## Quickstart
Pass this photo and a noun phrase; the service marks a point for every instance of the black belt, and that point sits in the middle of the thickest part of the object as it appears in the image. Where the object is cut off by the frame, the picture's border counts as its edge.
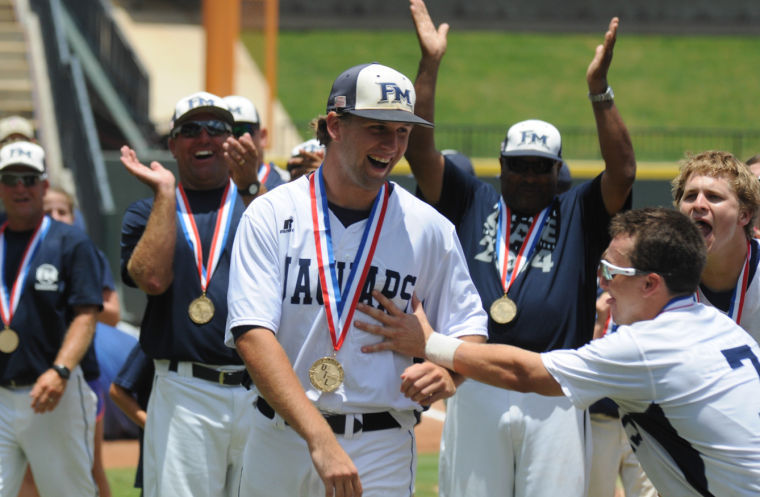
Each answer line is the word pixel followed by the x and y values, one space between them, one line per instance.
pixel 21 383
pixel 371 421
pixel 209 374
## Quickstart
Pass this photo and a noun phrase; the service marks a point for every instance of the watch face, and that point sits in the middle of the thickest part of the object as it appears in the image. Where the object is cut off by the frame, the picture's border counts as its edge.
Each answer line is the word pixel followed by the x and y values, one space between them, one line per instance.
pixel 253 189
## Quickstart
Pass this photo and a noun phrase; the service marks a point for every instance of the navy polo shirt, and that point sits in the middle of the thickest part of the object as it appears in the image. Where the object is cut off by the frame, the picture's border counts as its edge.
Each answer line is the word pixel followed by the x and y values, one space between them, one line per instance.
pixel 61 276
pixel 555 294
pixel 167 331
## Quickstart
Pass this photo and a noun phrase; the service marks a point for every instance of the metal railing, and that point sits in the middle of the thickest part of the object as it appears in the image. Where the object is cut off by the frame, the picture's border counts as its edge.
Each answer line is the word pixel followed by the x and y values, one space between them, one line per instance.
pixel 80 148
pixel 120 63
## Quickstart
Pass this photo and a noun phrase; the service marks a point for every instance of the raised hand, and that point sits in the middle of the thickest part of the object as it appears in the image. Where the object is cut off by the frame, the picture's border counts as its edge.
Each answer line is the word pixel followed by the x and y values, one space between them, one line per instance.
pixel 596 75
pixel 157 177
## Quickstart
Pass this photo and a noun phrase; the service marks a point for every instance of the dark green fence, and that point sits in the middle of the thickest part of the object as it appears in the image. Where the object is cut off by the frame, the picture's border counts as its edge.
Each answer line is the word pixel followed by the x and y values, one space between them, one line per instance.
pixel 580 143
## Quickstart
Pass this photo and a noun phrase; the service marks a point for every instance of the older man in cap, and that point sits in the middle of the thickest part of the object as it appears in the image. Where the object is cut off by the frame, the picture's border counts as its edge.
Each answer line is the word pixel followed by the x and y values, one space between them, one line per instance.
pixel 175 248
pixel 50 295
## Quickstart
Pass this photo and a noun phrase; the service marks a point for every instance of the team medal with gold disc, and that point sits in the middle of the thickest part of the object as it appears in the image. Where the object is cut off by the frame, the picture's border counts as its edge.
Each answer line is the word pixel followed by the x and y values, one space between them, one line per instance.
pixel 503 310
pixel 9 339
pixel 201 310
pixel 326 374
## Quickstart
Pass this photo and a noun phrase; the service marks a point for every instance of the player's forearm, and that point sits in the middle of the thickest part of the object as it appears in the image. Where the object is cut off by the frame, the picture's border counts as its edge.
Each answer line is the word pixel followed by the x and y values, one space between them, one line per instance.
pixel 273 375
pixel 151 263
pixel 78 337
pixel 127 404
pixel 502 366
pixel 617 151
pixel 111 313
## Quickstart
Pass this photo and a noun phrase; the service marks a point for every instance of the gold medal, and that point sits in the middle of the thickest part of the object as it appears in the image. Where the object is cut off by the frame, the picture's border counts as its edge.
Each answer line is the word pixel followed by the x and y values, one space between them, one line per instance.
pixel 503 310
pixel 8 341
pixel 326 374
pixel 201 310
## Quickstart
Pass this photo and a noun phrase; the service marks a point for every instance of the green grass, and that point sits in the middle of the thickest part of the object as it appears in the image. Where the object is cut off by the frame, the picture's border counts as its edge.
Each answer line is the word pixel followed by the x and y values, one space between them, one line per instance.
pixel 121 480
pixel 427 476
pixel 427 479
pixel 495 78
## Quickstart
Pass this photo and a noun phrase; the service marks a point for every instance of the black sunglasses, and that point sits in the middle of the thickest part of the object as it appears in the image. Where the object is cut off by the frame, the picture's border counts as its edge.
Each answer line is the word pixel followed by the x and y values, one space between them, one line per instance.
pixel 191 129
pixel 537 165
pixel 239 129
pixel 13 179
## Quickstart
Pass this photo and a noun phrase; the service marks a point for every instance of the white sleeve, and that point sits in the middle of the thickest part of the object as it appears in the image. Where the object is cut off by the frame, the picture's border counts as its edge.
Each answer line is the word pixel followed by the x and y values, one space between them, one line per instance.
pixel 450 299
pixel 253 295
pixel 612 367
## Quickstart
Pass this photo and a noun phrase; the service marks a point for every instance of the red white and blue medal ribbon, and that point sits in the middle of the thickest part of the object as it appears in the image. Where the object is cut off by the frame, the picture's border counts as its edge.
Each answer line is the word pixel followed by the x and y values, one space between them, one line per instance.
pixel 340 306
pixel 9 300
pixel 740 291
pixel 263 173
pixel 221 231
pixel 529 244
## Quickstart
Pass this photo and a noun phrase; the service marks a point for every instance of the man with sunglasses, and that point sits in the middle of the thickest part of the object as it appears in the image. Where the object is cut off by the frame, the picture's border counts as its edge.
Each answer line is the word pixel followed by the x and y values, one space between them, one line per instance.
pixel 248 142
pixel 51 294
pixel 175 248
pixel 532 253
pixel 685 376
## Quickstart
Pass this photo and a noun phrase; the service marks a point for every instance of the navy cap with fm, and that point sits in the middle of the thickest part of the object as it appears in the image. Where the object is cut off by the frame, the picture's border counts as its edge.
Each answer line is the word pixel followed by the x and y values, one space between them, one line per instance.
pixel 375 91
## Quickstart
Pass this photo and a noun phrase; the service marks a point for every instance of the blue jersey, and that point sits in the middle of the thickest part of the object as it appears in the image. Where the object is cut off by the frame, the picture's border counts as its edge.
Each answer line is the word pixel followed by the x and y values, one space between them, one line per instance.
pixel 167 331
pixel 555 294
pixel 273 176
pixel 61 276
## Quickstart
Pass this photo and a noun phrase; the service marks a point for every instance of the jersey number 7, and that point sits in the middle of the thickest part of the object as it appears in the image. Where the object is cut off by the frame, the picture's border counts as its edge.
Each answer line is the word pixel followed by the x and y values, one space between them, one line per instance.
pixel 736 355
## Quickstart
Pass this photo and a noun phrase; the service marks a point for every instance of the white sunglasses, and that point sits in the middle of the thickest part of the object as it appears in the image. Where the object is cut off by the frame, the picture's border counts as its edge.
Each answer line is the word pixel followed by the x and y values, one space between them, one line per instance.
pixel 609 270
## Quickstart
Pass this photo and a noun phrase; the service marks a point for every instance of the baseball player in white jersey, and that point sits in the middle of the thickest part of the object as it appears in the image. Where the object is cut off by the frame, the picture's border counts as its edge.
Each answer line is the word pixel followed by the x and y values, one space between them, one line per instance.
pixel 331 419
pixel 686 378
pixel 722 196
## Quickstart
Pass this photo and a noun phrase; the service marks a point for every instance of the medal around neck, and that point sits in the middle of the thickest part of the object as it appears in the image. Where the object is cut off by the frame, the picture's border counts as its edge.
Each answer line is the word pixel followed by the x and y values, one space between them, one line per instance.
pixel 326 374
pixel 201 310
pixel 503 310
pixel 8 341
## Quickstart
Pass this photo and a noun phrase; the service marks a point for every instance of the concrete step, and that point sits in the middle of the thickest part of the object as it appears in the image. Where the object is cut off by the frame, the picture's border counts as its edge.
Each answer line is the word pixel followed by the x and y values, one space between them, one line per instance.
pixel 15 84
pixel 11 31
pixel 20 106
pixel 16 68
pixel 7 14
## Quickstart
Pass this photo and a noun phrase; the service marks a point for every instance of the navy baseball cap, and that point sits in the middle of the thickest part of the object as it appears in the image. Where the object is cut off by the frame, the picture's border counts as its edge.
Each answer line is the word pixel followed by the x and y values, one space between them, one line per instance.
pixel 375 91
pixel 532 138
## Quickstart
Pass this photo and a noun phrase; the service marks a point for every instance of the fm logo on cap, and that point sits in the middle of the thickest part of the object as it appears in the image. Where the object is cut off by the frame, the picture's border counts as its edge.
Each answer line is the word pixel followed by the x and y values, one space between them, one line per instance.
pixel 531 138
pixel 387 89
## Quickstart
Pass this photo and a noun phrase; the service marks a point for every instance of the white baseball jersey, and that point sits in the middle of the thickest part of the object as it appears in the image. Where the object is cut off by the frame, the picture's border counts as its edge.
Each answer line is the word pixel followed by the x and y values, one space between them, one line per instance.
pixel 274 284
pixel 688 386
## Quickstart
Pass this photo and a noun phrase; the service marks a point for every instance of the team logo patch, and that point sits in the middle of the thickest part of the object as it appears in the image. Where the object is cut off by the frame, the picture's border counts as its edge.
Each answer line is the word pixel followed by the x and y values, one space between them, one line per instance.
pixel 393 93
pixel 287 226
pixel 46 278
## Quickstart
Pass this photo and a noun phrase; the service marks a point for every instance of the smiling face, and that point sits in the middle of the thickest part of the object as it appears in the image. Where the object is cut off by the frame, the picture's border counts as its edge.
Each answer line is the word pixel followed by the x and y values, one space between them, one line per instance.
pixel 713 205
pixel 23 204
pixel 200 159
pixel 625 296
pixel 365 151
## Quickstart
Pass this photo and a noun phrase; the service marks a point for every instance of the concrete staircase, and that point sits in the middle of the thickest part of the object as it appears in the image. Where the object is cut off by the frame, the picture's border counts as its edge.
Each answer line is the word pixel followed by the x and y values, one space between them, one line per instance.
pixel 15 77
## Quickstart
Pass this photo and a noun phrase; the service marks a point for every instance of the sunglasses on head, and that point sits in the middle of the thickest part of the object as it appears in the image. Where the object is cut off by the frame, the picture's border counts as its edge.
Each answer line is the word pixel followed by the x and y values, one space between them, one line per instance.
pixel 537 165
pixel 13 179
pixel 239 129
pixel 191 129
